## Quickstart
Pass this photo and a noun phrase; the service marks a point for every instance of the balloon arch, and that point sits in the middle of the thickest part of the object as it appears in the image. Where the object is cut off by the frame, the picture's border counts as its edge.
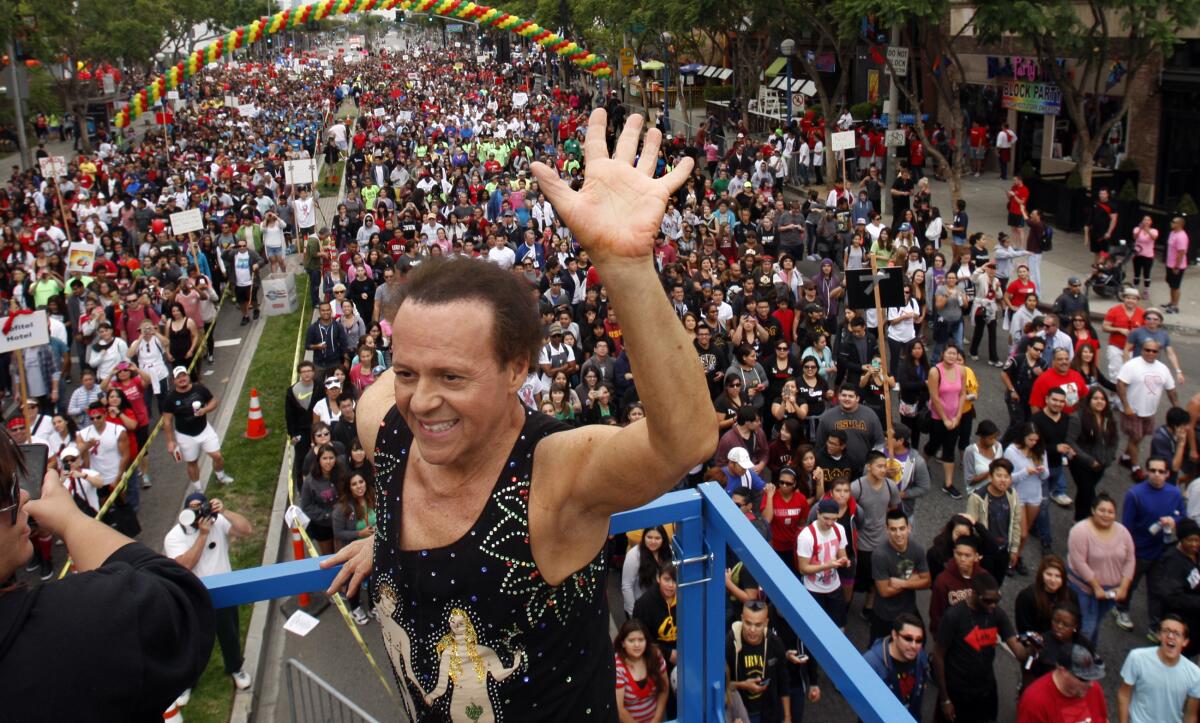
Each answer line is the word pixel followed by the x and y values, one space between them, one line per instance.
pixel 296 17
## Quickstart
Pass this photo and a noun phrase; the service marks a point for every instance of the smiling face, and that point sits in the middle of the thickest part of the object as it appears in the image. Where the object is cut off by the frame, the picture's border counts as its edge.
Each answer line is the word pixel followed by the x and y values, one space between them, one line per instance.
pixel 449 394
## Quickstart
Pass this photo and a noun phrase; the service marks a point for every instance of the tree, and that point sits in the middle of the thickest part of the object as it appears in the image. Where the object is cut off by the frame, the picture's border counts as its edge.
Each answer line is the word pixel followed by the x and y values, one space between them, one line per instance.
pixel 932 17
pixel 73 35
pixel 1107 44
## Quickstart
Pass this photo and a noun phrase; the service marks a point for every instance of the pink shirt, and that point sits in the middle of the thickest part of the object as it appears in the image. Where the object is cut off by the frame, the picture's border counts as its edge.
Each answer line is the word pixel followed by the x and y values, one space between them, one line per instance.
pixel 1177 247
pixel 1143 241
pixel 949 387
pixel 1107 561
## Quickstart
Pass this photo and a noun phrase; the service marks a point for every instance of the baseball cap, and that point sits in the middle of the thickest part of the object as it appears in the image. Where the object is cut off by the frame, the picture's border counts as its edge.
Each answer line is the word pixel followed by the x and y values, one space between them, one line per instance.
pixel 71 452
pixel 748 184
pixel 332 382
pixel 556 329
pixel 1074 281
pixel 1130 291
pixel 1081 662
pixel 860 222
pixel 906 227
pixel 178 370
pixel 827 507
pixel 195 497
pixel 740 457
pixel 1186 528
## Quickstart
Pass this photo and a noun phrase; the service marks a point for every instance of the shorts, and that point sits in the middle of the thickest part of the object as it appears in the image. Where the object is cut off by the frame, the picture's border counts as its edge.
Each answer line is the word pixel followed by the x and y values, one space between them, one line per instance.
pixel 863 579
pixel 190 447
pixel 273 251
pixel 941 442
pixel 1136 427
pixel 1096 245
pixel 1174 278
pixel 1029 490
pixel 242 293
pixel 978 153
pixel 1016 220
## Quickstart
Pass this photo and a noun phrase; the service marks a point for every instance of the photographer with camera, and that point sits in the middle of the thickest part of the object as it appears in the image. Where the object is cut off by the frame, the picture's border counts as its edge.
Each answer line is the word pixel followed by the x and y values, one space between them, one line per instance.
pixel 140 627
pixel 200 542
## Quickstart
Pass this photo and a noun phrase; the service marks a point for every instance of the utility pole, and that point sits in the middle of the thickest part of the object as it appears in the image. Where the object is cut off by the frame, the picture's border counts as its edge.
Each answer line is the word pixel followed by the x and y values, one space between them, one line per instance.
pixel 893 111
pixel 14 92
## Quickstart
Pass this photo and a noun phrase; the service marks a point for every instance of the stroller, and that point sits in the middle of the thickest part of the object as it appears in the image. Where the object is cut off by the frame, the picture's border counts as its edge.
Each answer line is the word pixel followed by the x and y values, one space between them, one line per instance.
pixel 1108 275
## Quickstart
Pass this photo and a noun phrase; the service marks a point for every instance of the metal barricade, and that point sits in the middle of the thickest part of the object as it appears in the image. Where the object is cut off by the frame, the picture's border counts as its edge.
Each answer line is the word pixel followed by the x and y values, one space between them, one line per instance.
pixel 312 700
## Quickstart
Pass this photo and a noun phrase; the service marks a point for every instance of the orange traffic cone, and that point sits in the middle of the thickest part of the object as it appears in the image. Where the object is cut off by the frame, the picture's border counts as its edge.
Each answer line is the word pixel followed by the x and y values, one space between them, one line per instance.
pixel 256 428
pixel 172 715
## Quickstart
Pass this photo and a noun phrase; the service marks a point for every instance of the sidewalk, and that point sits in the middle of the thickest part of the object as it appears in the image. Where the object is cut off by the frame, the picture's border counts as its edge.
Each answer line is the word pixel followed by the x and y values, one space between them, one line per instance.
pixel 987 208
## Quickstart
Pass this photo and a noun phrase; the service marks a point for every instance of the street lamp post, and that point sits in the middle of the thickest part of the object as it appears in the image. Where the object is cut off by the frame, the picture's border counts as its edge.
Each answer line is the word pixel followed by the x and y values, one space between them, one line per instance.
pixel 667 38
pixel 788 48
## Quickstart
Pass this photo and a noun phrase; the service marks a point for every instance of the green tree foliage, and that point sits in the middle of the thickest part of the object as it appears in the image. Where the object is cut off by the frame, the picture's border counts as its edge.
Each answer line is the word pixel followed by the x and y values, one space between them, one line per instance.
pixel 1095 38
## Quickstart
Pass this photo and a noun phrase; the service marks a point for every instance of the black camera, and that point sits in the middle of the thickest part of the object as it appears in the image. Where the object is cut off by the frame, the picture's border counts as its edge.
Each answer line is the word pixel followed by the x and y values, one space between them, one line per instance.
pixel 191 518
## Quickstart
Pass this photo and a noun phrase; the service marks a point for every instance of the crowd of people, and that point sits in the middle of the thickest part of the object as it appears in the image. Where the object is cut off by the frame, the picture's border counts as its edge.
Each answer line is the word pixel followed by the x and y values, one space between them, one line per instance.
pixel 438 159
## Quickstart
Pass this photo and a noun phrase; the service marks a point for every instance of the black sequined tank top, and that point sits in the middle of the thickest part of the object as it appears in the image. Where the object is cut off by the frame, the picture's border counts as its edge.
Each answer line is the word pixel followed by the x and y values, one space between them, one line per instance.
pixel 473 632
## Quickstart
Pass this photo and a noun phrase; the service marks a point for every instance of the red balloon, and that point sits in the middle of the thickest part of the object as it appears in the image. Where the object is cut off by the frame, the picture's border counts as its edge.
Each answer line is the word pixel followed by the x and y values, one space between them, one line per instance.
pixel 158 225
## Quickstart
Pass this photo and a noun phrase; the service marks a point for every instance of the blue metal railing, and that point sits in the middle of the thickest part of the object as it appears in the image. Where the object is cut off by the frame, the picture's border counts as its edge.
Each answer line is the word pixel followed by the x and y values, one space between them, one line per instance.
pixel 707 522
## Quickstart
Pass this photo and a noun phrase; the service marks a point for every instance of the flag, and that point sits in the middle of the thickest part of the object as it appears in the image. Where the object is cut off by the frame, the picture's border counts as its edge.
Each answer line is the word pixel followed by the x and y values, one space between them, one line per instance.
pixel 939 64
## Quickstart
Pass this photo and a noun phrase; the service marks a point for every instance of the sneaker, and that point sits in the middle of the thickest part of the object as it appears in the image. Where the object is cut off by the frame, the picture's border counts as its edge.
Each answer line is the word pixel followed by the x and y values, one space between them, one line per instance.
pixel 224 478
pixel 375 613
pixel 1171 309
pixel 146 483
pixel 1125 461
pixel 47 570
pixel 245 320
pixel 360 617
pixel 183 698
pixel 1020 568
pixel 953 492
pixel 1122 619
pixel 1061 500
pixel 974 357
pixel 1145 294
pixel 1152 637
pixel 209 359
pixel 256 312
pixel 241 679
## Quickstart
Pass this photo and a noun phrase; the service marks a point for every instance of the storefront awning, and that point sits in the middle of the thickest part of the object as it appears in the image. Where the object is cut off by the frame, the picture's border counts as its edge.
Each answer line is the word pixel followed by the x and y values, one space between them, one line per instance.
pixel 799 85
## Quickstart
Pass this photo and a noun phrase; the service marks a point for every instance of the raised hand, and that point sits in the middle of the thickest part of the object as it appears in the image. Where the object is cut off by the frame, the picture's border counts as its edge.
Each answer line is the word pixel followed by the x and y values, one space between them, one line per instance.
pixel 620 207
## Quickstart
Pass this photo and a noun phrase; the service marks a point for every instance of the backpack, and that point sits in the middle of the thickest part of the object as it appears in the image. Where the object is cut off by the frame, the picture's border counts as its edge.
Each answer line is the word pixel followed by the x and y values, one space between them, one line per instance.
pixel 1047 238
pixel 837 531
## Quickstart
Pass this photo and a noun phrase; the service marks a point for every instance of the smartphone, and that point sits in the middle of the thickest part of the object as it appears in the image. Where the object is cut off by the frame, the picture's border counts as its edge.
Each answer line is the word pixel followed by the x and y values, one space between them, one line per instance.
pixel 34 458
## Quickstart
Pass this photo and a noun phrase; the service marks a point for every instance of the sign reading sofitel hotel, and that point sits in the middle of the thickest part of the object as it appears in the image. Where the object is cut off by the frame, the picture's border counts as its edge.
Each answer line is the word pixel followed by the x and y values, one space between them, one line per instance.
pixel 1026 97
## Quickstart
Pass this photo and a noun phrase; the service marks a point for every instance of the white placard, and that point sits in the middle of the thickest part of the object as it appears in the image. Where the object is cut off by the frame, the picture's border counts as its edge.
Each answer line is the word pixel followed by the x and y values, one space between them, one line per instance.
pixel 231 101
pixel 53 166
pixel 27 330
pixel 894 138
pixel 172 95
pixel 519 99
pixel 405 115
pixel 110 83
pixel 295 517
pixel 81 257
pixel 899 60
pixel 379 112
pixel 187 221
pixel 842 141
pixel 483 59
pixel 300 623
pixel 248 110
pixel 300 171
pixel 328 72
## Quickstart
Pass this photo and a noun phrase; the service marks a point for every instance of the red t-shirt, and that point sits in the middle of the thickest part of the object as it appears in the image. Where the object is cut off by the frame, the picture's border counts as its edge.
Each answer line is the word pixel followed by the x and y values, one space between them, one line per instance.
pixel 790 517
pixel 1019 290
pixel 1072 383
pixel 1042 702
pixel 1022 194
pixel 1118 317
pixel 979 137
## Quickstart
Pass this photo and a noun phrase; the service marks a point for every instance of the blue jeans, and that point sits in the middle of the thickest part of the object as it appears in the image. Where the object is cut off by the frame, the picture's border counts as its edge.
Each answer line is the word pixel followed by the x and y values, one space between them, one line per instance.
pixel 314 286
pixel 1093 611
pixel 1041 524
pixel 955 335
pixel 1057 482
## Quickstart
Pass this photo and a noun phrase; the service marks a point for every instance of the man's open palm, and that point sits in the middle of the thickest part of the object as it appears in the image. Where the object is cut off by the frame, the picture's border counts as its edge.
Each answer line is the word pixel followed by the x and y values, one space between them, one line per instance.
pixel 620 207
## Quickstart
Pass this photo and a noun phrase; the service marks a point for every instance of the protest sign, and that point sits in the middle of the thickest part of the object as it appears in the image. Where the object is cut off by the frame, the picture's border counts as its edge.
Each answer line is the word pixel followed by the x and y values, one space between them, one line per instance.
pixel 53 166
pixel 187 221
pixel 842 141
pixel 81 257
pixel 26 330
pixel 519 99
pixel 300 171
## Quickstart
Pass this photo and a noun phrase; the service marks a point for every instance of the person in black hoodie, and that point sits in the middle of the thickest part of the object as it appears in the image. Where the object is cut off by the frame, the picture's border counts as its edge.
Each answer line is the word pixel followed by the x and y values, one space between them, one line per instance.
pixel 1173 579
pixel 298 412
pixel 140 627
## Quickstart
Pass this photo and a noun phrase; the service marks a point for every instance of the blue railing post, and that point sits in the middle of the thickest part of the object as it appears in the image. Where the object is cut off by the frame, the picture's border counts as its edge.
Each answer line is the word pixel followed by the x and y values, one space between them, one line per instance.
pixel 693 574
pixel 714 630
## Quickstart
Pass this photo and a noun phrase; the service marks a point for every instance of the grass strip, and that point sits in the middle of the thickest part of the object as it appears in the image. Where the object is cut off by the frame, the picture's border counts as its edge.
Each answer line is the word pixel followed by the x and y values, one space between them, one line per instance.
pixel 331 179
pixel 255 466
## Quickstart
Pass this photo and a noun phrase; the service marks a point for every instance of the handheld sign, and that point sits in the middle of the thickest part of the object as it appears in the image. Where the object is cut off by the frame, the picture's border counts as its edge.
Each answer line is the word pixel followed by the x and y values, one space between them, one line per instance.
pixel 842 140
pixel 300 172
pixel 26 330
pixel 894 138
pixel 860 285
pixel 81 257
pixel 187 221
pixel 53 166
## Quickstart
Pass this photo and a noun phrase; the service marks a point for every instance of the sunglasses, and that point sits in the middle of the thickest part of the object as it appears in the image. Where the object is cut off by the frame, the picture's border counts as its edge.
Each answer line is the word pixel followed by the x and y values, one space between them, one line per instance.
pixel 1149 350
pixel 736 384
pixel 916 640
pixel 1159 471
pixel 786 484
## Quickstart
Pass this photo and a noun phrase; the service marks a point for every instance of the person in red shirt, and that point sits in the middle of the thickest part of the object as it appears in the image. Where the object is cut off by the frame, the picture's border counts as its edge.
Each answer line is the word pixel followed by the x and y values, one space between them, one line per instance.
pixel 978 141
pixel 786 511
pixel 1019 288
pixel 1018 198
pixel 1070 694
pixel 1060 375
pixel 1118 322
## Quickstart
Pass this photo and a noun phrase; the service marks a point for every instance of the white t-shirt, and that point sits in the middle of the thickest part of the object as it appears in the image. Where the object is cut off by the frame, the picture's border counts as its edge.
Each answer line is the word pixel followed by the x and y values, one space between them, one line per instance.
pixel 215 558
pixel 305 213
pixel 1146 384
pixel 1005 138
pixel 826 546
pixel 104 451
pixel 1160 691
pixel 241 269
pixel 502 256
pixel 273 235
pixel 902 331
pixel 83 488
